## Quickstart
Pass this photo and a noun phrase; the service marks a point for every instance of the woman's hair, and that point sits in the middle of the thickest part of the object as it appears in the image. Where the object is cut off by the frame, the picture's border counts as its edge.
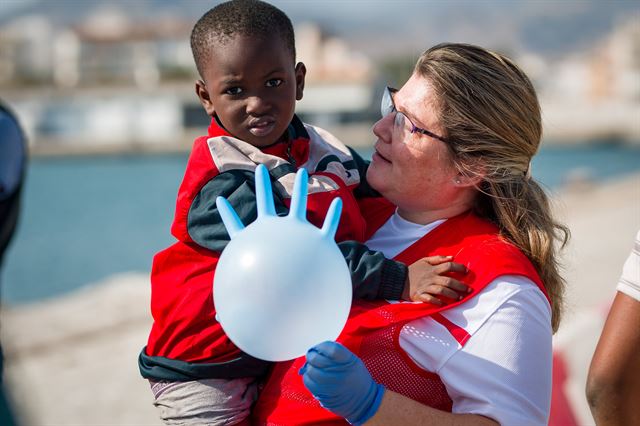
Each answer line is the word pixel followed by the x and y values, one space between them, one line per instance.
pixel 491 117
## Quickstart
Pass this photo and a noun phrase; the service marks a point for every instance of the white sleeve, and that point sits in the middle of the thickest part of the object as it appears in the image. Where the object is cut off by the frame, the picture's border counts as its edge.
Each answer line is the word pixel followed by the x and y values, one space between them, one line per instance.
pixel 629 283
pixel 504 369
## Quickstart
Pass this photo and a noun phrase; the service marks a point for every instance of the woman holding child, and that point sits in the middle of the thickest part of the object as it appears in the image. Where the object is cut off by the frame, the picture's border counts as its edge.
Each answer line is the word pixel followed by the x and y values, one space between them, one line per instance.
pixel 453 157
pixel 250 81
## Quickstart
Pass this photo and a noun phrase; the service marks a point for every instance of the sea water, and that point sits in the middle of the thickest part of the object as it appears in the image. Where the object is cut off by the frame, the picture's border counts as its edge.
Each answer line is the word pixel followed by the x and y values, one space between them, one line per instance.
pixel 84 219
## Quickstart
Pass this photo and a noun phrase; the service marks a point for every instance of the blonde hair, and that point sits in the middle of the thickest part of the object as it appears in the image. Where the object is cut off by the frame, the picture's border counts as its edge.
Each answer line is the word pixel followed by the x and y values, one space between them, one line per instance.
pixel 491 116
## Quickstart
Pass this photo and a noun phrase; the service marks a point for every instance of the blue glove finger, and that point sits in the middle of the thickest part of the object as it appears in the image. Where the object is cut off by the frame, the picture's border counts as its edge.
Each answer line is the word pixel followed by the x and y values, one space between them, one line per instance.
pixel 307 380
pixel 322 376
pixel 320 360
pixel 333 350
pixel 325 378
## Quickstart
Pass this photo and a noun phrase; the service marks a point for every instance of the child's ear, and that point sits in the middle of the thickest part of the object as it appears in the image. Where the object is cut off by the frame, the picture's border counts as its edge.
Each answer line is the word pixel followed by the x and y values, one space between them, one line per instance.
pixel 301 71
pixel 205 99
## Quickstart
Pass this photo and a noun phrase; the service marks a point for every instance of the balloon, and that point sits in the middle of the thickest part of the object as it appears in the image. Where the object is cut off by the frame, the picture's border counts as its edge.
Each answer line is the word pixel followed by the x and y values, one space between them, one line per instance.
pixel 281 284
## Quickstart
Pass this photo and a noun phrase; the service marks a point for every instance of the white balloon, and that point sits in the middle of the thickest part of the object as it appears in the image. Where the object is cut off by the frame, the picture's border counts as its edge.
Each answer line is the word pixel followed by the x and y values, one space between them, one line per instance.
pixel 281 284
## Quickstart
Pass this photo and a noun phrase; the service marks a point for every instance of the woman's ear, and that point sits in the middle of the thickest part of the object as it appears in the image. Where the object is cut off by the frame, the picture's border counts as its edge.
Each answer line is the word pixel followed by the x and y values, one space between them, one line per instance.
pixel 471 176
pixel 301 72
pixel 464 180
pixel 205 99
pixel 470 173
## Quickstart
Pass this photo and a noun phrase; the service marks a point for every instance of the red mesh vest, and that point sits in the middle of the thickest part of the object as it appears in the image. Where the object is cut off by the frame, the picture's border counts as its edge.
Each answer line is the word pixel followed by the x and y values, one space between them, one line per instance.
pixel 373 328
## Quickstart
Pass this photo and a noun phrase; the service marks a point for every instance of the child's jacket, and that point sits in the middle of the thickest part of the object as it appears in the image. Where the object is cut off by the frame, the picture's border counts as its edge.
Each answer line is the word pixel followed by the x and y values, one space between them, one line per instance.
pixel 186 342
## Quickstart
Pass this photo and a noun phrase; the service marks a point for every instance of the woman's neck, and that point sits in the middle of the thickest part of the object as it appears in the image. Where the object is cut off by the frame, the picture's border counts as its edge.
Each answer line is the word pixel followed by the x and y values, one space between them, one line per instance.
pixel 425 217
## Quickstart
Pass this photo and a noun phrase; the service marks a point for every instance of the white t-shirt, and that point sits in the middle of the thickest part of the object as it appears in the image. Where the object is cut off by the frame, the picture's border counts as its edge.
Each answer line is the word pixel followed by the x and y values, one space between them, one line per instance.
pixel 503 369
pixel 629 282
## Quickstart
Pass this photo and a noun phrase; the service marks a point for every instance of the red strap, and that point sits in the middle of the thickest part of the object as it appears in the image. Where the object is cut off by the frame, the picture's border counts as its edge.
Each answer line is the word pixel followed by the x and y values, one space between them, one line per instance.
pixel 458 333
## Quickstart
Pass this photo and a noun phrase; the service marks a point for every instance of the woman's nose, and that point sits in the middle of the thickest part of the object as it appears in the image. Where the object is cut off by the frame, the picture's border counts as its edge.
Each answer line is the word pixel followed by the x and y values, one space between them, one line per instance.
pixel 383 128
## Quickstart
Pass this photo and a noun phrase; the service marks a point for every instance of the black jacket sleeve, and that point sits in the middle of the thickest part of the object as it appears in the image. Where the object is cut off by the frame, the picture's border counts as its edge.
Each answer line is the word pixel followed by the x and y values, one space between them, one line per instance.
pixel 373 276
pixel 204 223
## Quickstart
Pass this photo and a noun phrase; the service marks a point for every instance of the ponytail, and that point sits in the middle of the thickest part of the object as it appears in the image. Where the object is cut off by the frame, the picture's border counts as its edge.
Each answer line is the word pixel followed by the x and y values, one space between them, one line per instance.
pixel 521 209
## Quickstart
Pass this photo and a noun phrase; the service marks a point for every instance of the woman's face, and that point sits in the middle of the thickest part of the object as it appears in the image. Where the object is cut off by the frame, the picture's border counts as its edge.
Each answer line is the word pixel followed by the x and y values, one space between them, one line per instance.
pixel 413 170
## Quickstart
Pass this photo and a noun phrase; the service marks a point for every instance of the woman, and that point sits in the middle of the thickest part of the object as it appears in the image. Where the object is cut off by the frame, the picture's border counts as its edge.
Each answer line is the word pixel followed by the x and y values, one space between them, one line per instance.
pixel 453 153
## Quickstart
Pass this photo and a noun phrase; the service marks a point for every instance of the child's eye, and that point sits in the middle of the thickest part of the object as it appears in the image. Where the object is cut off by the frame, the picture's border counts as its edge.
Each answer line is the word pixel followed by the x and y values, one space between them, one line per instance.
pixel 274 82
pixel 233 91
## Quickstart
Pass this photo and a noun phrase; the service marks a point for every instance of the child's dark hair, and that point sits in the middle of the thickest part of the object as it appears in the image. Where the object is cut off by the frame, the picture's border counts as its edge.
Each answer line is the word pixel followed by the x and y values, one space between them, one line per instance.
pixel 246 17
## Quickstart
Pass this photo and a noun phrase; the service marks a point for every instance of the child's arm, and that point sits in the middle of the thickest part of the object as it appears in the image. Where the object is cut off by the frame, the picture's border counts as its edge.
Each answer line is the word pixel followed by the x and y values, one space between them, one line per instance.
pixel 372 275
pixel 204 223
pixel 375 277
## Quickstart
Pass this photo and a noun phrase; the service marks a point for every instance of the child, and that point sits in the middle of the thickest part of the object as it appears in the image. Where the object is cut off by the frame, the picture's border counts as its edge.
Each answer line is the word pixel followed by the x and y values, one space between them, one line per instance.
pixel 245 53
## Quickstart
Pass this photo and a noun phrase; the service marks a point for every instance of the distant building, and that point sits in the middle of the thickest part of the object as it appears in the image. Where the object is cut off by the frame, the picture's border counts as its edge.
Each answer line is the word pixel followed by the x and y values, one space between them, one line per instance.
pixel 106 48
pixel 115 49
pixel 329 58
pixel 26 51
pixel 595 94
pixel 111 81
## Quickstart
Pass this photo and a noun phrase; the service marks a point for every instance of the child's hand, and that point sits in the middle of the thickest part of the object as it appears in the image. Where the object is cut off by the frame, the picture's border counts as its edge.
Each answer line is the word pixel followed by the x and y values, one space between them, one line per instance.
pixel 425 280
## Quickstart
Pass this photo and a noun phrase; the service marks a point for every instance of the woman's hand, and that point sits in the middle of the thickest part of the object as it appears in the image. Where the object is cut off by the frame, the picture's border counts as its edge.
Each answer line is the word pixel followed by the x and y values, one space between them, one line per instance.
pixel 427 280
pixel 341 382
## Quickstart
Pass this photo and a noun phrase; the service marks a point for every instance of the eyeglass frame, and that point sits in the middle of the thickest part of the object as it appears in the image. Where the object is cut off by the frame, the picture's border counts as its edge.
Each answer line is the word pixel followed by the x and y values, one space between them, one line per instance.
pixel 387 106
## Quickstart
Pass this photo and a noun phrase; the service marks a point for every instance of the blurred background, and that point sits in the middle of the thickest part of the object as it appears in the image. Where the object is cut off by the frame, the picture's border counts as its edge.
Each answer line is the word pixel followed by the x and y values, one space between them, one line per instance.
pixel 105 93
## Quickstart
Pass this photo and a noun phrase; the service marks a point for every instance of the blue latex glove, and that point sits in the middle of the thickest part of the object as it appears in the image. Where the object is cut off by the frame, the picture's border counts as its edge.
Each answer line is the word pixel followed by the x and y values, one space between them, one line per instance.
pixel 341 382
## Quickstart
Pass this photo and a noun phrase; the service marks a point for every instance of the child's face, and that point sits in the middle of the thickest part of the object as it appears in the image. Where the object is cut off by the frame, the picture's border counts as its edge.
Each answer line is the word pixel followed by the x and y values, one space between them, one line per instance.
pixel 252 86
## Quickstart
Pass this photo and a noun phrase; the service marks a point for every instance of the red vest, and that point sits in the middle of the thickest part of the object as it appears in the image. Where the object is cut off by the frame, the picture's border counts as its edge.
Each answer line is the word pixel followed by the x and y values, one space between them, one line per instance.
pixel 373 329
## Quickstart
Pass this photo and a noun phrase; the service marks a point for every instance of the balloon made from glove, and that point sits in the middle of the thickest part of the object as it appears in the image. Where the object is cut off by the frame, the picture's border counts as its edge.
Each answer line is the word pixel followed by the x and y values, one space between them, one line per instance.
pixel 281 284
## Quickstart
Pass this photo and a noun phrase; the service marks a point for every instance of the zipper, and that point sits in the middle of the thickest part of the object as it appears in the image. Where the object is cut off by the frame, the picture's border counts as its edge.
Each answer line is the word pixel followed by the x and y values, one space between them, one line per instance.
pixel 289 156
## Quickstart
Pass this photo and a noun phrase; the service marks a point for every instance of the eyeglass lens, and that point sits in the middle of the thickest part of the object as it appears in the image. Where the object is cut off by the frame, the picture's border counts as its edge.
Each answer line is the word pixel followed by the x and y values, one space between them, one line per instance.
pixel 387 107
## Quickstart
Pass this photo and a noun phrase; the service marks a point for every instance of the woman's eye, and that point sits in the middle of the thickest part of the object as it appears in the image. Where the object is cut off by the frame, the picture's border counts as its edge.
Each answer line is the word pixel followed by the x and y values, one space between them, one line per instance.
pixel 233 91
pixel 274 82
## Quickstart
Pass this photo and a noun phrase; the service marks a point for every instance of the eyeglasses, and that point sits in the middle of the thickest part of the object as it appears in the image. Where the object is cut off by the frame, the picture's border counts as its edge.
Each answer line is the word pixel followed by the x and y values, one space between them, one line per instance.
pixel 387 106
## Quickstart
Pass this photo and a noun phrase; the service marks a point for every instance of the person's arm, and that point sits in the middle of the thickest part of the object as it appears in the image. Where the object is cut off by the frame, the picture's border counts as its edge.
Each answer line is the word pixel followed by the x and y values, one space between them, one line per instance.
pixel 204 224
pixel 343 385
pixel 376 277
pixel 372 275
pixel 613 383
pixel 398 410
